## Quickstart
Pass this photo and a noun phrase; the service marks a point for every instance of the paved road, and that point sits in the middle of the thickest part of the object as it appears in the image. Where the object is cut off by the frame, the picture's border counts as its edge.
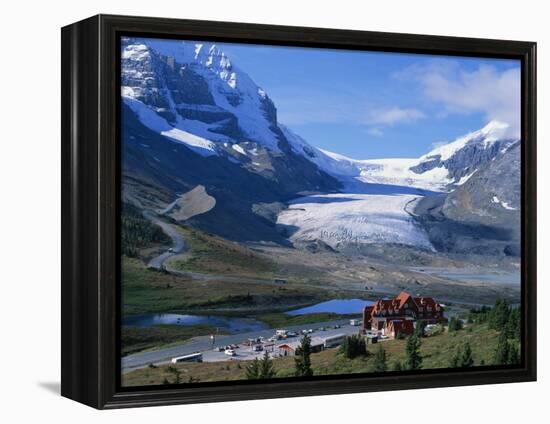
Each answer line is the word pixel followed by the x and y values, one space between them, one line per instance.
pixel 177 240
pixel 204 343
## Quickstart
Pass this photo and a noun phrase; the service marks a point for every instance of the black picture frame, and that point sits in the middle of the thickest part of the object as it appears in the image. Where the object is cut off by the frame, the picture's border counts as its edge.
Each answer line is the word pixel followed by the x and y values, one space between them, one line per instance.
pixel 91 203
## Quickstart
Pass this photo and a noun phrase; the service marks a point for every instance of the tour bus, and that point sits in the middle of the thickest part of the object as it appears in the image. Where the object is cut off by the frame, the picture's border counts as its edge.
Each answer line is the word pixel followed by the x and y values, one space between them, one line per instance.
pixel 192 357
pixel 335 340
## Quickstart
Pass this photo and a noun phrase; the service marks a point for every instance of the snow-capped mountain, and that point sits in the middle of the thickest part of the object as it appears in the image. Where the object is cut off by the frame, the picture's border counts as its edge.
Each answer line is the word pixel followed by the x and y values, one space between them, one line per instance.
pixel 195 87
pixel 442 169
pixel 191 118
pixel 192 93
pixel 466 155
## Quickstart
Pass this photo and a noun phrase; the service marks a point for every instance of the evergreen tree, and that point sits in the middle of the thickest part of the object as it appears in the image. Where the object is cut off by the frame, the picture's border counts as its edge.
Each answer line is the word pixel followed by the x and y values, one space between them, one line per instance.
pixel 455 359
pixel 466 358
pixel 302 361
pixel 513 355
pixel 414 359
pixel 502 350
pixel 513 325
pixel 266 367
pixel 380 362
pixel 499 315
pixel 420 329
pixel 253 370
pixel 455 324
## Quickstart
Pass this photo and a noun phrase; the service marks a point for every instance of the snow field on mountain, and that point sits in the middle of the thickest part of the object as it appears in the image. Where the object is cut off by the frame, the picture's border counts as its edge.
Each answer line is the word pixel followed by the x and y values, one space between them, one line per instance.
pixel 155 122
pixel 398 172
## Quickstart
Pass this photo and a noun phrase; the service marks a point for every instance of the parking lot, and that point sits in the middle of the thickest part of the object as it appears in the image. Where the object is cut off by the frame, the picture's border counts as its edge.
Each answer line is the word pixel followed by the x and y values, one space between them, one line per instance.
pixel 246 350
pixel 205 344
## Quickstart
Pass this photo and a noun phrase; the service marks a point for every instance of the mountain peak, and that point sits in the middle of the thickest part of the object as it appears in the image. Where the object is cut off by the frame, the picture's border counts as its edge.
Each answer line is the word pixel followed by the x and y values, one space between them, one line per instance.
pixel 194 84
pixel 493 131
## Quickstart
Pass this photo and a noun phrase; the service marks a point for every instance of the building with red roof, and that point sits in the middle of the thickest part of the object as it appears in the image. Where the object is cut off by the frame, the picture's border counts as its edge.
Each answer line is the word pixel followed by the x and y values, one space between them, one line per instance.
pixel 399 315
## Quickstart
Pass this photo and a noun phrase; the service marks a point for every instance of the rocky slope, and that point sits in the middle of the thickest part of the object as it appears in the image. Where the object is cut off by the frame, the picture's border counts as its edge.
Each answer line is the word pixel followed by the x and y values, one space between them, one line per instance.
pixel 481 216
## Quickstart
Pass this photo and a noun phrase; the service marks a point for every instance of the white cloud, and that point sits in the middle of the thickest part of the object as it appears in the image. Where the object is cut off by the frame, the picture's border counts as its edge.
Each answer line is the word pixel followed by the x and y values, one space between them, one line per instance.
pixel 486 90
pixel 377 132
pixel 394 115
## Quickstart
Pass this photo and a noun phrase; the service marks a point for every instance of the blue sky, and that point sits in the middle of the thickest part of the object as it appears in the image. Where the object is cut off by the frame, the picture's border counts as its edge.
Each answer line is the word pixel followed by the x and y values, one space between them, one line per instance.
pixel 373 105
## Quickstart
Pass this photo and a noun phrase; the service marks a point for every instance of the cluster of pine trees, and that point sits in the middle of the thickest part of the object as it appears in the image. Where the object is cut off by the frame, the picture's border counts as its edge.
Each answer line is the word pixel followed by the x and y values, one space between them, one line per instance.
pixel 260 368
pixel 137 232
pixel 504 319
pixel 463 357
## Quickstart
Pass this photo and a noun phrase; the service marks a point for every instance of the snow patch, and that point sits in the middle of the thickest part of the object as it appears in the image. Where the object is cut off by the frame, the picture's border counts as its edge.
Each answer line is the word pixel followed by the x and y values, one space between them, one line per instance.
pixel 155 122
pixel 465 178
pixel 239 149
pixel 505 205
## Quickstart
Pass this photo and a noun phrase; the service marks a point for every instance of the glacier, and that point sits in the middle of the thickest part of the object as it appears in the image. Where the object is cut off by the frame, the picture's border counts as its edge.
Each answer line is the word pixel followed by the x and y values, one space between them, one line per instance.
pixel 349 218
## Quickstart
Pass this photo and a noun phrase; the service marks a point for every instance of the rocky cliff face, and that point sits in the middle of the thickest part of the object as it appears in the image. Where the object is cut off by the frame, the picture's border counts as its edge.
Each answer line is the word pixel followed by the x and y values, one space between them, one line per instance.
pixel 481 216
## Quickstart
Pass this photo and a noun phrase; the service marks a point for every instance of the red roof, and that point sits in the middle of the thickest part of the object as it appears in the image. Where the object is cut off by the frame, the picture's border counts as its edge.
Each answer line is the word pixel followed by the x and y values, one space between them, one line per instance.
pixel 399 302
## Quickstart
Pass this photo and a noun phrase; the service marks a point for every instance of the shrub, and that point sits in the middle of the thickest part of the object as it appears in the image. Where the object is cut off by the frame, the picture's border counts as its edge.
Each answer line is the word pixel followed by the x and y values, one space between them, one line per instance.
pixel 354 346
pixel 396 366
pixel 455 324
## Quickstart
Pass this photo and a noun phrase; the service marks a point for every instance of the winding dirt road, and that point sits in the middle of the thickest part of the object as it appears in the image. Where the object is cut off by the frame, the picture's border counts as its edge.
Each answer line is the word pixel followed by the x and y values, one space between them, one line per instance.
pixel 178 241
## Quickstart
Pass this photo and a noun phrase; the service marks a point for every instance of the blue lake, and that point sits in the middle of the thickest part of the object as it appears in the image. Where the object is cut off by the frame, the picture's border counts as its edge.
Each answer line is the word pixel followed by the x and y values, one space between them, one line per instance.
pixel 336 306
pixel 229 324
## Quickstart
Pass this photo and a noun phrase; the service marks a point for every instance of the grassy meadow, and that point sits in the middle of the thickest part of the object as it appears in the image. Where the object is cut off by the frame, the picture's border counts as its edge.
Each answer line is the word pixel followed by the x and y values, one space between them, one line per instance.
pixel 436 352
